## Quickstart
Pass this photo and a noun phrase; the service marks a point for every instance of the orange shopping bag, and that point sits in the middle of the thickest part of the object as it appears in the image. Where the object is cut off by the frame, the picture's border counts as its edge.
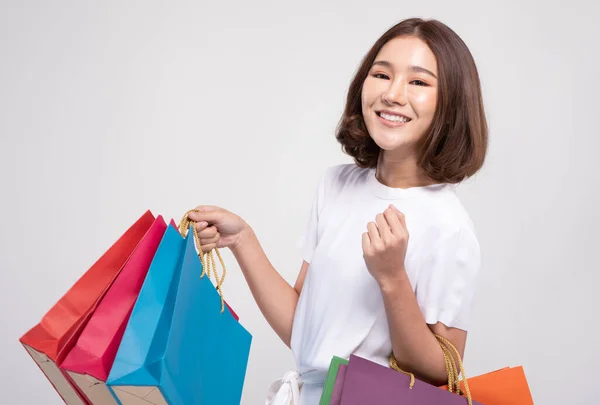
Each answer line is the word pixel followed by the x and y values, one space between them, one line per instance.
pixel 507 386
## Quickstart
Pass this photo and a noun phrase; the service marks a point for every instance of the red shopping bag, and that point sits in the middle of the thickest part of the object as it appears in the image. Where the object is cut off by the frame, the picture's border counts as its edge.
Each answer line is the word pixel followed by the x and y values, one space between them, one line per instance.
pixel 88 363
pixel 49 341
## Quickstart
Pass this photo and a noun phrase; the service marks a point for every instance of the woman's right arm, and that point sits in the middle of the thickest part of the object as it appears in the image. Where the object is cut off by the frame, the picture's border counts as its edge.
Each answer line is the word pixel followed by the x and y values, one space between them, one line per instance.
pixel 275 297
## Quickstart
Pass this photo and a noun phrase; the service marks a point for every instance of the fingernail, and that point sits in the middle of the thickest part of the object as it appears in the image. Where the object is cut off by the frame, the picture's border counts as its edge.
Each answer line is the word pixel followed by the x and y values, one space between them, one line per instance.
pixel 203 224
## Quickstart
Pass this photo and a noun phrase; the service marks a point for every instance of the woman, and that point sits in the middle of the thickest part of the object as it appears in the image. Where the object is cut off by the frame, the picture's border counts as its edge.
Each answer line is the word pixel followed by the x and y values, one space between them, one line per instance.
pixel 415 125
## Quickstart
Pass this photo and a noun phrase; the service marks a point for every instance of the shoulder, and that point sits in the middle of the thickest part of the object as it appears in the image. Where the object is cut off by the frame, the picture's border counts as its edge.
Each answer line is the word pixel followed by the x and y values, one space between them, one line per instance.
pixel 448 252
pixel 339 180
pixel 342 175
pixel 446 222
pixel 446 212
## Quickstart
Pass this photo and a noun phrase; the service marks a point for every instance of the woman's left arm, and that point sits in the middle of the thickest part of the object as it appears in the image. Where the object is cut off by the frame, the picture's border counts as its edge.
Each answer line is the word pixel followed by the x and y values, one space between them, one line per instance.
pixel 415 347
pixel 414 344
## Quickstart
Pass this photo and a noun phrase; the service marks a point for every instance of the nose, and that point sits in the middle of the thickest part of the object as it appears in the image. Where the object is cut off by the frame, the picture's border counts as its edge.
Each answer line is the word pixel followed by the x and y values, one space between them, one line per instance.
pixel 395 93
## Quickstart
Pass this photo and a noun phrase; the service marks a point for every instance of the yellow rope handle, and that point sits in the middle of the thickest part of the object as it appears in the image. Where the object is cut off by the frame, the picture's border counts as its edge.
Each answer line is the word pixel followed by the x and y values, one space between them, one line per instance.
pixel 206 258
pixel 395 366
pixel 448 346
pixel 452 370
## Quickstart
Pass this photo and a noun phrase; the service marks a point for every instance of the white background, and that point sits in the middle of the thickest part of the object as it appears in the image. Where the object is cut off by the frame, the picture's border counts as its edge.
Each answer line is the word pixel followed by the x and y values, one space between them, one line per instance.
pixel 111 108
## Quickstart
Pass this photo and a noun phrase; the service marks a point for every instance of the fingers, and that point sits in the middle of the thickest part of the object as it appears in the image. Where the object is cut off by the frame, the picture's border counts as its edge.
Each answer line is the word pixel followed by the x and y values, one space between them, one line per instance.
pixel 201 226
pixel 392 215
pixel 400 217
pixel 388 226
pixel 399 229
pixel 366 242
pixel 383 226
pixel 388 231
pixel 209 236
pixel 374 236
pixel 207 248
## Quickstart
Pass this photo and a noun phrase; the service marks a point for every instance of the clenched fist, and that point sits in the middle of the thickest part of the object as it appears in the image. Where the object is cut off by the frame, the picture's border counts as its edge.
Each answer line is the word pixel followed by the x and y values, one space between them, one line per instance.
pixel 217 227
pixel 384 245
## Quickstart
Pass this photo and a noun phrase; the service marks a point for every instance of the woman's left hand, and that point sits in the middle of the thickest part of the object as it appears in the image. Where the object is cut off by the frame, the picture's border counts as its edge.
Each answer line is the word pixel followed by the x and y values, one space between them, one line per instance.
pixel 384 245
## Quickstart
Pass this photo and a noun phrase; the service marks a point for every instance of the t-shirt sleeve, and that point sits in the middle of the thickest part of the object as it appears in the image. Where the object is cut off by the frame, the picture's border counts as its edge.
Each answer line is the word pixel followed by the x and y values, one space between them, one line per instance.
pixel 310 237
pixel 447 282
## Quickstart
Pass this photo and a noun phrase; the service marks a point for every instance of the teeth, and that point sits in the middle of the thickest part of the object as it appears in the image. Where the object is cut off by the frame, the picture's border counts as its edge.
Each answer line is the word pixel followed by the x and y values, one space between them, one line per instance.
pixel 394 118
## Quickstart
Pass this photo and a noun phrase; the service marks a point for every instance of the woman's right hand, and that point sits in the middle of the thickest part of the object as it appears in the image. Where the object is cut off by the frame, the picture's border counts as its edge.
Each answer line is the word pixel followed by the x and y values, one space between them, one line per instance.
pixel 217 227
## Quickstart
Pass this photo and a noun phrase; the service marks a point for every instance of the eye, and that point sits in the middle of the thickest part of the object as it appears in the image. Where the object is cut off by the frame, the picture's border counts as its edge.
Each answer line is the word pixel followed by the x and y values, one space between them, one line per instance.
pixel 419 83
pixel 381 76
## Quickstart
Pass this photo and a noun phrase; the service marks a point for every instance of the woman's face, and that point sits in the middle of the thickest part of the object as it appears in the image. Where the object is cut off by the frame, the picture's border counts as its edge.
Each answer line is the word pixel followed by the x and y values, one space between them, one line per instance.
pixel 399 95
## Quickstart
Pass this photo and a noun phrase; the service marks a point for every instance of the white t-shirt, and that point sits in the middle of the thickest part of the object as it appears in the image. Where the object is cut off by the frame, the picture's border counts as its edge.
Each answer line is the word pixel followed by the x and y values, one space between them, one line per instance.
pixel 340 311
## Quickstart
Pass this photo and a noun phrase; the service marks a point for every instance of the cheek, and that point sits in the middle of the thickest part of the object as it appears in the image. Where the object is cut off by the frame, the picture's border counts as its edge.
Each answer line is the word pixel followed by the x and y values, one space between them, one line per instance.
pixel 366 100
pixel 425 103
pixel 363 99
pixel 369 93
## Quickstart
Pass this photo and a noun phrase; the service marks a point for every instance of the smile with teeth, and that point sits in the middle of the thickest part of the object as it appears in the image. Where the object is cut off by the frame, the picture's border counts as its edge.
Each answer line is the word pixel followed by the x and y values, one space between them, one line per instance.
pixel 393 118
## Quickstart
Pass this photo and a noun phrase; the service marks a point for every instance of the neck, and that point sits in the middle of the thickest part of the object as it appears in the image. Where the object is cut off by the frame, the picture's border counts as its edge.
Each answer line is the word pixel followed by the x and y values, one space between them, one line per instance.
pixel 401 171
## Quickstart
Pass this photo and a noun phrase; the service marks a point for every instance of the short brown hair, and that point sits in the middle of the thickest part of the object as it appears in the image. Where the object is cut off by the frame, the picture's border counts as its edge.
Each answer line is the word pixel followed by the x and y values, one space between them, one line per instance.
pixel 455 145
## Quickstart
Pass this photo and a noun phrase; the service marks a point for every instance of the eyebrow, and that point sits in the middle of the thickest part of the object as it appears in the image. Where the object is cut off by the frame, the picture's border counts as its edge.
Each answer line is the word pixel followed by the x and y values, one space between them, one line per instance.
pixel 414 68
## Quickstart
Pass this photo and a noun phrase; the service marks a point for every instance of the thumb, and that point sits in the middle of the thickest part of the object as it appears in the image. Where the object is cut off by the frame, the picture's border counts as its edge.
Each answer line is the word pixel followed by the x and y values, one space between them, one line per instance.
pixel 208 213
pixel 207 208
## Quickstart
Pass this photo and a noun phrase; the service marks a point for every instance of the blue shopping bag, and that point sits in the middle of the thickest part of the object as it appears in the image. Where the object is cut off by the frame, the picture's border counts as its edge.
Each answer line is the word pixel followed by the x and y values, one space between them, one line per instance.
pixel 181 346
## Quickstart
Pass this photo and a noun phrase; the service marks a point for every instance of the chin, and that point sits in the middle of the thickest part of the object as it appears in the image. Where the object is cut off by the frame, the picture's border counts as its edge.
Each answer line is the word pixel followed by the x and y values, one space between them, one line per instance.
pixel 389 141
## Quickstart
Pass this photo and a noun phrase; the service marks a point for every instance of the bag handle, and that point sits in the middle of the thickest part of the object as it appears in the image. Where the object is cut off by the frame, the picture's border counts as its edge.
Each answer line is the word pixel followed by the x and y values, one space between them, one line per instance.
pixel 453 375
pixel 452 371
pixel 206 258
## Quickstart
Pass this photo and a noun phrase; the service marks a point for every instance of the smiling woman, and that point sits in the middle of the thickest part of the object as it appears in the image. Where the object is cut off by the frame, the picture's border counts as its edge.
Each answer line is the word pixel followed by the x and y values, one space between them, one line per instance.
pixel 414 124
pixel 423 71
pixel 398 93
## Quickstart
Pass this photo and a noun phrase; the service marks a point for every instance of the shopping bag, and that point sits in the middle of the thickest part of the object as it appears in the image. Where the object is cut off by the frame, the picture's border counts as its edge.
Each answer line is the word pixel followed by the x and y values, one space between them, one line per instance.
pixel 88 363
pixel 182 345
pixel 338 387
pixel 368 382
pixel 507 386
pixel 139 358
pixel 330 380
pixel 49 341
pixel 501 387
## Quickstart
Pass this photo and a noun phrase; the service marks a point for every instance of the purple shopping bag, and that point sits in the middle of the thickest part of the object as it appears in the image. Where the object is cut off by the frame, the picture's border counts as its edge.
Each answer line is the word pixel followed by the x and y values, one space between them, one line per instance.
pixel 338 387
pixel 367 382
